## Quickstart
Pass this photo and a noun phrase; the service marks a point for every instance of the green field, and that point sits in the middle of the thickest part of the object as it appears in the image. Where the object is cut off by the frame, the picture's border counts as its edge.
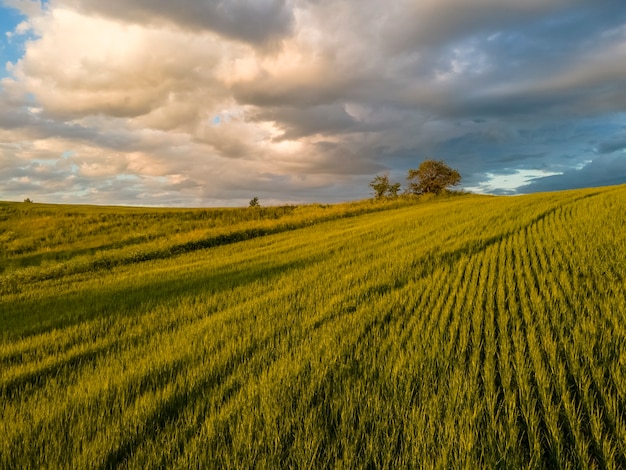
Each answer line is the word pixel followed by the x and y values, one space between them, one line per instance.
pixel 451 332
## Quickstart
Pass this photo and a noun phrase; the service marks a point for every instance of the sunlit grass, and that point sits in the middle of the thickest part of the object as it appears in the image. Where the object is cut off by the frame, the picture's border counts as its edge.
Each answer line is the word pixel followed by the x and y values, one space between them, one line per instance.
pixel 459 332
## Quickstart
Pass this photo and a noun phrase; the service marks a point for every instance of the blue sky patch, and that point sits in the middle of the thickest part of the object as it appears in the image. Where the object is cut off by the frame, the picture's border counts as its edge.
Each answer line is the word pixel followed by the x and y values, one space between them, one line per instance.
pixel 11 44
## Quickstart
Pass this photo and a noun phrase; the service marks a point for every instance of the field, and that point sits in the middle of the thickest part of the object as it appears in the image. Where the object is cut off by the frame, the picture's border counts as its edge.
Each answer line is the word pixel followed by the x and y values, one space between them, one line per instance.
pixel 452 332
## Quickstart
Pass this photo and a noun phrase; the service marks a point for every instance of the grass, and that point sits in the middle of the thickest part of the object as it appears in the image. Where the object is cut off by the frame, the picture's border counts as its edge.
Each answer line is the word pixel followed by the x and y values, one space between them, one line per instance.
pixel 456 332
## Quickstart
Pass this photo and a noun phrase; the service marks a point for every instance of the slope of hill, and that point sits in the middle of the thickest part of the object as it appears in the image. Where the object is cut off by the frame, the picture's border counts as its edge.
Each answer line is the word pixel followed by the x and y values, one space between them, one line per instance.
pixel 466 331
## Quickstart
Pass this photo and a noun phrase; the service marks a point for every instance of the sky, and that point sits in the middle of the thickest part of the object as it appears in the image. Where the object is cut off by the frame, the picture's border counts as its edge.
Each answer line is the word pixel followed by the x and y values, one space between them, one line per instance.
pixel 212 102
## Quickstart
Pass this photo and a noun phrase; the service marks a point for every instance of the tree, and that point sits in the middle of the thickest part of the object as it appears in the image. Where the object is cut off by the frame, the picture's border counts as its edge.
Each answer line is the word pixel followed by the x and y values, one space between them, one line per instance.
pixel 393 190
pixel 254 202
pixel 432 176
pixel 383 187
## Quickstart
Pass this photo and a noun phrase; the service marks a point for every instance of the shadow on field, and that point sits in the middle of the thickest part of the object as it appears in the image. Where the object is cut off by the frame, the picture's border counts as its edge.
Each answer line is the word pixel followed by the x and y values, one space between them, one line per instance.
pixel 28 260
pixel 33 316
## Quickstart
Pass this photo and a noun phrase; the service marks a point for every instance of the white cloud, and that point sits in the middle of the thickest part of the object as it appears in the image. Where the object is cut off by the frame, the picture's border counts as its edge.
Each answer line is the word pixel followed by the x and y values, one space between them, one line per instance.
pixel 114 69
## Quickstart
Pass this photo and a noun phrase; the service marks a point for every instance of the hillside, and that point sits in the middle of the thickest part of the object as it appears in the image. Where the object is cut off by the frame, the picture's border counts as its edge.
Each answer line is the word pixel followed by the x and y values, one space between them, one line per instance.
pixel 467 331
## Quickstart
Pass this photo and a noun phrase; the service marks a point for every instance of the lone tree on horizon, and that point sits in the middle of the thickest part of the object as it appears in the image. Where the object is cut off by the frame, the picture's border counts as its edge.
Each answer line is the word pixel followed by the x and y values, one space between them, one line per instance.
pixel 432 176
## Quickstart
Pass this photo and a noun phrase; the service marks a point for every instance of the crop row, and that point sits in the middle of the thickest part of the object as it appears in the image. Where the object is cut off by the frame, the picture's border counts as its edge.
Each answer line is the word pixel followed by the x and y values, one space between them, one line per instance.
pixel 438 335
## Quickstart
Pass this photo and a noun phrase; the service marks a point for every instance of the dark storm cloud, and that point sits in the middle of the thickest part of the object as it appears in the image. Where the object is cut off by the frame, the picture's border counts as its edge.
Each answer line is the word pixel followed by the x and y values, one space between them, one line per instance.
pixel 300 122
pixel 502 61
pixel 613 145
pixel 251 21
pixel 602 171
pixel 332 158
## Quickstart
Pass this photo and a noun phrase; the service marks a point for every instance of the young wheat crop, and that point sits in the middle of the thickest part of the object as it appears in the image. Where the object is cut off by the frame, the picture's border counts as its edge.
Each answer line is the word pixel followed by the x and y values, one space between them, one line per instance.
pixel 466 331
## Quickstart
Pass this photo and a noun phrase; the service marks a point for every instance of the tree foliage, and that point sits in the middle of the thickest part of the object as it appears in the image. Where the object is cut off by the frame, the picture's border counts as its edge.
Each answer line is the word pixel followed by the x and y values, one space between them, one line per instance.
pixel 383 187
pixel 432 176
pixel 254 202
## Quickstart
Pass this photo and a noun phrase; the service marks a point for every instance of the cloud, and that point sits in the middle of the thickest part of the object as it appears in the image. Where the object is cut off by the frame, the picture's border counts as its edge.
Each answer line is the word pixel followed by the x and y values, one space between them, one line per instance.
pixel 202 102
pixel 253 22
pixel 296 122
pixel 613 145
pixel 115 70
pixel 31 8
pixel 602 171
